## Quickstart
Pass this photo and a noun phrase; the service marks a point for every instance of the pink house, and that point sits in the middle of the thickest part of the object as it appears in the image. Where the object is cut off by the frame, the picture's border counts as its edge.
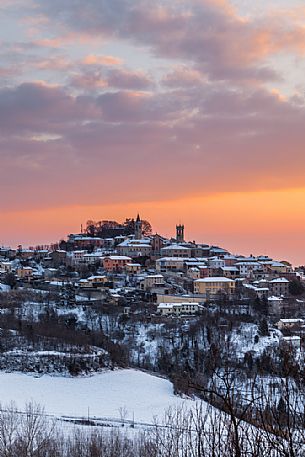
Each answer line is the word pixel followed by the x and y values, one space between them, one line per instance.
pixel 115 262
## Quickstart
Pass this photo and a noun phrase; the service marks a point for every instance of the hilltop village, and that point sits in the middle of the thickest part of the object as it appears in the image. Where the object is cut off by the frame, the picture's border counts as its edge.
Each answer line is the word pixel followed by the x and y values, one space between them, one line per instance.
pixel 116 294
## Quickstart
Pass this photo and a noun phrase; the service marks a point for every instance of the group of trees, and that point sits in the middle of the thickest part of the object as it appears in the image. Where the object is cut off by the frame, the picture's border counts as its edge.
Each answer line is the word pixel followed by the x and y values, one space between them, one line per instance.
pixel 111 228
pixel 198 431
pixel 75 348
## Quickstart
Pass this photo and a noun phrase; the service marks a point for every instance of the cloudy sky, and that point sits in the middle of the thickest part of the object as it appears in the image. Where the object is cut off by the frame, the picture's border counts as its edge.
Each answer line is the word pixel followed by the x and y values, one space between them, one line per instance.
pixel 184 110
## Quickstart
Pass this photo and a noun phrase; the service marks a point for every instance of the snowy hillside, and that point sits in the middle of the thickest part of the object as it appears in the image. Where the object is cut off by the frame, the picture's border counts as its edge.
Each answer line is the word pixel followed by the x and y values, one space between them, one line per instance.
pixel 105 394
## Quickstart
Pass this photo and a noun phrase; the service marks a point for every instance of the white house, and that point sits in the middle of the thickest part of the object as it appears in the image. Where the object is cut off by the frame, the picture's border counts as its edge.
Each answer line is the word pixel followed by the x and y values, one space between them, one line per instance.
pixel 178 309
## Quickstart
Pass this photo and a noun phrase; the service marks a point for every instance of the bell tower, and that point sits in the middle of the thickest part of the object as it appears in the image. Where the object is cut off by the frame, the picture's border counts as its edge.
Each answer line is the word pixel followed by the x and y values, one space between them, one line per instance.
pixel 180 233
pixel 138 228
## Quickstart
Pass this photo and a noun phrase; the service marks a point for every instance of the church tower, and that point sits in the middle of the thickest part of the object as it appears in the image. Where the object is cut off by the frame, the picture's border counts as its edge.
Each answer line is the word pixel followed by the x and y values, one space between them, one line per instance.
pixel 138 228
pixel 180 233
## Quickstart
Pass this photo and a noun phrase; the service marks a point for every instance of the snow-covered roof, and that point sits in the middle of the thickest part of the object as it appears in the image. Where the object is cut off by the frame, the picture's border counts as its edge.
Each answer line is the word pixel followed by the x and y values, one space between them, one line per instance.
pixel 279 280
pixel 214 279
pixel 95 254
pixel 278 264
pixel 176 305
pixel 217 249
pixel 195 263
pixel 154 276
pixel 292 321
pixel 117 257
pixel 86 238
pixel 291 338
pixel 144 242
pixel 248 264
pixel 96 277
pixel 165 305
pixel 171 259
pixel 175 247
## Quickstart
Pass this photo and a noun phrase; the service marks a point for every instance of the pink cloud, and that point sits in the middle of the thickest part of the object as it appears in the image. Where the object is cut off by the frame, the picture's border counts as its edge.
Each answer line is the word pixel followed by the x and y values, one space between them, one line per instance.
pixel 127 79
pixel 208 33
pixel 89 80
pixel 92 59
pixel 207 138
pixel 183 76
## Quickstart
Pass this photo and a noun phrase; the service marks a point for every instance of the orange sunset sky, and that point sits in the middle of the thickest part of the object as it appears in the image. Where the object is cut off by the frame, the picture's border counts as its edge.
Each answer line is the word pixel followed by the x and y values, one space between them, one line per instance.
pixel 186 111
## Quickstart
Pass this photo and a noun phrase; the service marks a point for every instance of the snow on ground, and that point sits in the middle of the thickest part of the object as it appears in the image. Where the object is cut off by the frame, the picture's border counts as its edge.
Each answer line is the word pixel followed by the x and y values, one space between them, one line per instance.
pixel 4 288
pixel 244 339
pixel 139 393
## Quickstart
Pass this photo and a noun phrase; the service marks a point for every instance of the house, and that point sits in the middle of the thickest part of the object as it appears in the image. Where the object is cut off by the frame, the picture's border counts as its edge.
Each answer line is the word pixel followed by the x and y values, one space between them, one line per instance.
pixel 176 250
pixel 133 268
pixel 6 267
pixel 214 285
pixel 83 283
pixel 25 253
pixel 279 267
pixel 215 262
pixel 178 309
pixel 230 260
pixel 170 264
pixel 97 281
pixel 25 273
pixel 76 257
pixel 290 324
pixel 217 251
pixel 152 282
pixel 193 273
pixel 93 258
pixel 279 286
pixel 202 250
pixel 157 244
pixel 81 241
pixel 260 292
pixel 115 262
pixel 293 341
pixel 135 248
pixel 50 273
pixel 229 272
pixel 248 268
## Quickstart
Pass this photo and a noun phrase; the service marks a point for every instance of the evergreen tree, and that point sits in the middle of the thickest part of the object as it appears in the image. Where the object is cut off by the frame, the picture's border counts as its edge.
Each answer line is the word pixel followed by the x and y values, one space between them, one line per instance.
pixel 263 328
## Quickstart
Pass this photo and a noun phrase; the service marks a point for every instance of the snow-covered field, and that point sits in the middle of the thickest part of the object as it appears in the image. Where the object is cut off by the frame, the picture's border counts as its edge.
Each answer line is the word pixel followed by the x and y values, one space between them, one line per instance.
pixel 106 395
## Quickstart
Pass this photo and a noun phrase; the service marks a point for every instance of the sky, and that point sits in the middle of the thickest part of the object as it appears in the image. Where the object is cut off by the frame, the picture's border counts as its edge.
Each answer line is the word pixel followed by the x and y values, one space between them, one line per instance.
pixel 186 111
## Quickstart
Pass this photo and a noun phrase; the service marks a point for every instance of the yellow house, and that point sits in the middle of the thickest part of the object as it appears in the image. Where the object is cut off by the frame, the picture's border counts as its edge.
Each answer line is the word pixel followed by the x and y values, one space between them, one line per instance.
pixel 25 273
pixel 279 267
pixel 97 281
pixel 133 268
pixel 214 285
